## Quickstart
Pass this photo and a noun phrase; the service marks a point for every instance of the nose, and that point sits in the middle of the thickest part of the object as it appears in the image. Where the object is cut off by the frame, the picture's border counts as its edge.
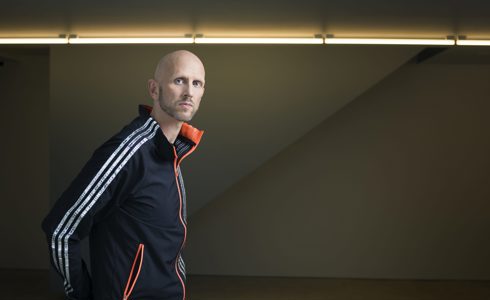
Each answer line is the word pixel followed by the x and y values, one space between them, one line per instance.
pixel 188 91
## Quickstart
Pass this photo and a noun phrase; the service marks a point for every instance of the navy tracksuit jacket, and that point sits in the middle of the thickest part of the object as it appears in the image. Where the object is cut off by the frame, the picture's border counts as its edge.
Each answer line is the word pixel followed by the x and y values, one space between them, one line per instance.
pixel 130 200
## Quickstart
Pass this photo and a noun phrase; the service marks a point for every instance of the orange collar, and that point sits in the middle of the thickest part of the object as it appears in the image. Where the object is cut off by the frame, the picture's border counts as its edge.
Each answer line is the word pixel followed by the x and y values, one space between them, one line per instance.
pixel 186 130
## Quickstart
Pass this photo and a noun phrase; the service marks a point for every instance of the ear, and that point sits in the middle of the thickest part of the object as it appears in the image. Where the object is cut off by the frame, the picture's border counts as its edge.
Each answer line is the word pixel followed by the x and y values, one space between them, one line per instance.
pixel 153 89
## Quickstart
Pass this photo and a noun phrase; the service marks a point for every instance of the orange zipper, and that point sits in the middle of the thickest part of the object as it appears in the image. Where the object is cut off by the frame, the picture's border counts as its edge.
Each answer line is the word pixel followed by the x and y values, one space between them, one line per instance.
pixel 180 213
pixel 139 255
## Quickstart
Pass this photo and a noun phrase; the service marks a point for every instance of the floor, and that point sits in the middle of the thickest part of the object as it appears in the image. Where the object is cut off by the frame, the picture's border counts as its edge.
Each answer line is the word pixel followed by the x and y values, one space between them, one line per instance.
pixel 33 285
pixel 241 288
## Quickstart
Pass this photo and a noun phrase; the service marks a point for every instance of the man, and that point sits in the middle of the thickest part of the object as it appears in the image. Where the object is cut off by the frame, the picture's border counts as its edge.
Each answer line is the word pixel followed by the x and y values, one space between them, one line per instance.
pixel 130 199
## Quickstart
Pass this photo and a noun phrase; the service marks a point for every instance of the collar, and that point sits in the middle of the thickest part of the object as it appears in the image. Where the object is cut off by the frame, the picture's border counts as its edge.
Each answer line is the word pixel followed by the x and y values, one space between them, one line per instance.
pixel 188 134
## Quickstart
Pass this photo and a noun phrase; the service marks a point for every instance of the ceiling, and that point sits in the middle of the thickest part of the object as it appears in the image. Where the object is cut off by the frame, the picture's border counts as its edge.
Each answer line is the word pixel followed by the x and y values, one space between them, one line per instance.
pixel 384 18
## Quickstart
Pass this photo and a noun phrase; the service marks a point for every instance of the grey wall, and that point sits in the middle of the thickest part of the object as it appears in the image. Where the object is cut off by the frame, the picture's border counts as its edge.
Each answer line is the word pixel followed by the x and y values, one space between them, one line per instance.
pixel 24 97
pixel 388 187
pixel 395 185
pixel 95 90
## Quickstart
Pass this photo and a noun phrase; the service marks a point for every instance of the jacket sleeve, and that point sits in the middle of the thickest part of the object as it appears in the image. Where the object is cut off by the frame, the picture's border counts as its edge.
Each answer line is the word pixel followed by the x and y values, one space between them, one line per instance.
pixel 93 192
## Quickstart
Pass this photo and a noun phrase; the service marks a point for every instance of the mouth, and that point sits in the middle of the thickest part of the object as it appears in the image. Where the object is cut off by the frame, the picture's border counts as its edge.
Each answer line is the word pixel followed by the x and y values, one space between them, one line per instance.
pixel 186 104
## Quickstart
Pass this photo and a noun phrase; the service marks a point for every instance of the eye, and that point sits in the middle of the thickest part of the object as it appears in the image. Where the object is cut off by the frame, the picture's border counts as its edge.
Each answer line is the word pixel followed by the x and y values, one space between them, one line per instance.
pixel 197 83
pixel 179 81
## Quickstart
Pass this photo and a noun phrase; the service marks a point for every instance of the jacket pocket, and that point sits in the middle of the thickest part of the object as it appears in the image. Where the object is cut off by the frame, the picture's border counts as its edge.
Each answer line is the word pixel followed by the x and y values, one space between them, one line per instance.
pixel 135 271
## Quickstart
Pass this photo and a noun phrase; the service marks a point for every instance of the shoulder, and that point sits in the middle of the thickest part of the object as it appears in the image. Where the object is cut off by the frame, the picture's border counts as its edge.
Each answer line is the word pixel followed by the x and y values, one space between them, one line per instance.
pixel 120 147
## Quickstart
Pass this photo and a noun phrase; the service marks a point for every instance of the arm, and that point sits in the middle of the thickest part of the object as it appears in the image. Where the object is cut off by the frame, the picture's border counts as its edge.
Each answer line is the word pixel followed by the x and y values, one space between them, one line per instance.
pixel 70 220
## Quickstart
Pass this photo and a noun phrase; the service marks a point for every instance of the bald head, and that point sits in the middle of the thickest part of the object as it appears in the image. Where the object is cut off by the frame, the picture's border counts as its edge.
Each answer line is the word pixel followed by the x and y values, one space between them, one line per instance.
pixel 168 63
pixel 177 86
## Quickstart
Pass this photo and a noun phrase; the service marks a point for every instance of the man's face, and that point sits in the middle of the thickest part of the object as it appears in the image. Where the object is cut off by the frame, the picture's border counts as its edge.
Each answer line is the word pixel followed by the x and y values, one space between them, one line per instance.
pixel 181 89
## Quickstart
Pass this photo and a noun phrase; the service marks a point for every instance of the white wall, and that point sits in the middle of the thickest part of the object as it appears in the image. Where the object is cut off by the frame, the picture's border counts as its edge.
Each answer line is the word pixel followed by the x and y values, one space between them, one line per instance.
pixel 394 185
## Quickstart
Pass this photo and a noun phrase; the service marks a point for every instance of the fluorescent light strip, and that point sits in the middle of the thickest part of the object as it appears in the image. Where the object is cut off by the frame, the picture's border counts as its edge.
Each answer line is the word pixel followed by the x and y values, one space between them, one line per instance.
pixel 131 40
pixel 32 41
pixel 473 42
pixel 366 41
pixel 207 40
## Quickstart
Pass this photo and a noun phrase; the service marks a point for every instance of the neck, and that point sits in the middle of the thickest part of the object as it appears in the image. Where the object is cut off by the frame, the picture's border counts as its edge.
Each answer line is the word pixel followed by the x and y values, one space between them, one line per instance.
pixel 169 126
